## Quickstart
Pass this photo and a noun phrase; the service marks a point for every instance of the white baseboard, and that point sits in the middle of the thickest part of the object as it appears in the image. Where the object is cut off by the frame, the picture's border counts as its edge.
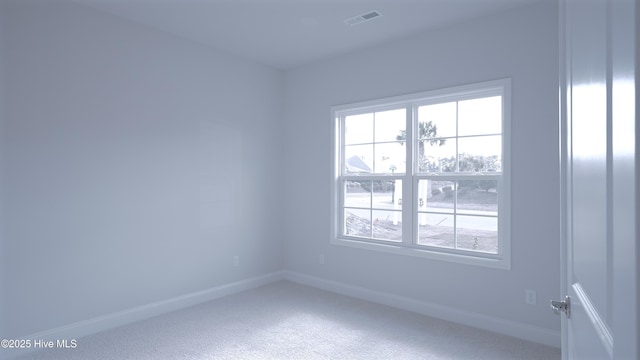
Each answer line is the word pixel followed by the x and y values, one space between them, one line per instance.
pixel 481 321
pixel 109 321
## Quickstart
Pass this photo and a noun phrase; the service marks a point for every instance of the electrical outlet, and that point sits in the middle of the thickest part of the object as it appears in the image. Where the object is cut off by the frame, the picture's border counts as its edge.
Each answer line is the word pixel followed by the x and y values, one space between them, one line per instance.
pixel 530 297
pixel 236 261
pixel 321 259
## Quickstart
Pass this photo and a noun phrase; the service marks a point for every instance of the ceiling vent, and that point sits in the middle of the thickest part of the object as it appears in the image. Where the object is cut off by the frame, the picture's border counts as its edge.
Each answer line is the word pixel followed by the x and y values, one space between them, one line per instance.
pixel 356 20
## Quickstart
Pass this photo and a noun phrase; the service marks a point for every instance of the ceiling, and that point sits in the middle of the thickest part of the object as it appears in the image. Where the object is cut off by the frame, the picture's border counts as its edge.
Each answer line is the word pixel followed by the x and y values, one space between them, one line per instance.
pixel 289 33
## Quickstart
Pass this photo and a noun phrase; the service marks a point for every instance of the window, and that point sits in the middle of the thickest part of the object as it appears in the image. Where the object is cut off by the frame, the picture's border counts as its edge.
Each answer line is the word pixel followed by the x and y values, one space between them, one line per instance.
pixel 426 174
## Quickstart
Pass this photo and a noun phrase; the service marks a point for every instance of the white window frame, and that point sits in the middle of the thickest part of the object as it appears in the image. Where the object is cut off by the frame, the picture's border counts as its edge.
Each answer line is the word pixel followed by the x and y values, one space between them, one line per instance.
pixel 501 260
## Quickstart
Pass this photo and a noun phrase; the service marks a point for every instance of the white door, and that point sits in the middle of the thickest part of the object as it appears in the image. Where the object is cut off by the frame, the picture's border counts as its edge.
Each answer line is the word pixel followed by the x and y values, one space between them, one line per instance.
pixel 600 239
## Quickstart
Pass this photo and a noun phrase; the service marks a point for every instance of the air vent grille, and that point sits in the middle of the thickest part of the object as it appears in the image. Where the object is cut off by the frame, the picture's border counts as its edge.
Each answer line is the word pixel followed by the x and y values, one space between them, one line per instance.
pixel 368 16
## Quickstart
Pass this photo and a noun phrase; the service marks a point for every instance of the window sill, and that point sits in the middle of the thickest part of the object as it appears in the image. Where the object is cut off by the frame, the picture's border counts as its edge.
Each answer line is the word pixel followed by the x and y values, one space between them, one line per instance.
pixel 490 262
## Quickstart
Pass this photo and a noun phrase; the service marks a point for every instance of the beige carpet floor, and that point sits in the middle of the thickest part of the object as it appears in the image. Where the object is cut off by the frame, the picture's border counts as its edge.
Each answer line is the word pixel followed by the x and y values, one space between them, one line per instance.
pixel 284 320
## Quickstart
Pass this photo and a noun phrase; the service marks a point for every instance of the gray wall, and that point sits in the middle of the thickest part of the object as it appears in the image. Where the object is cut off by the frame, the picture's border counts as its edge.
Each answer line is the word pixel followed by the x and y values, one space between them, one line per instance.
pixel 520 44
pixel 136 166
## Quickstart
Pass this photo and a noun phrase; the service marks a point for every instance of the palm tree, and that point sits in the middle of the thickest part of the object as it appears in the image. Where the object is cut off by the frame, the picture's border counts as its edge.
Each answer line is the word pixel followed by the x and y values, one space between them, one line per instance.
pixel 427 131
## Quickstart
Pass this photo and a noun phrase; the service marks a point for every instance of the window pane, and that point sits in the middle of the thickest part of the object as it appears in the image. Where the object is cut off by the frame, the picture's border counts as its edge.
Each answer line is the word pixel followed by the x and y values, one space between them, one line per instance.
pixel 387 225
pixel 438 120
pixel 357 194
pixel 437 156
pixel 358 159
pixel 357 222
pixel 477 233
pixel 478 197
pixel 390 158
pixel 436 196
pixel 480 116
pixel 358 129
pixel 436 230
pixel 390 125
pixel 482 153
pixel 383 194
pixel 380 198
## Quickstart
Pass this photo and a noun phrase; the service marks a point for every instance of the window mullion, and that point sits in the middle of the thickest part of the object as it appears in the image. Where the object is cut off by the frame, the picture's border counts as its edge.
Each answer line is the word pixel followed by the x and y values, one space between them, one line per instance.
pixel 371 210
pixel 343 147
pixel 455 215
pixel 407 183
pixel 455 190
pixel 341 228
pixel 457 142
pixel 373 164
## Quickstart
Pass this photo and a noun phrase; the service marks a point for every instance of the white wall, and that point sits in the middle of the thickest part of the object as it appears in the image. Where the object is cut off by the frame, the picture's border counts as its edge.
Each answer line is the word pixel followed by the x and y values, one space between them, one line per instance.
pixel 3 309
pixel 138 164
pixel 520 44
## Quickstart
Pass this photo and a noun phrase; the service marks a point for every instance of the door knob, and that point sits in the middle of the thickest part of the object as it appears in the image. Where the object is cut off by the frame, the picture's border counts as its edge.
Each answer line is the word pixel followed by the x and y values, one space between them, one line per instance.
pixel 562 306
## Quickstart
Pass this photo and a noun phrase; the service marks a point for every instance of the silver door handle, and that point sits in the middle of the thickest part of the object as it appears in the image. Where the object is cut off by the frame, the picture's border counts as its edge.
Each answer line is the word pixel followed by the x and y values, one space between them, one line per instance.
pixel 562 306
